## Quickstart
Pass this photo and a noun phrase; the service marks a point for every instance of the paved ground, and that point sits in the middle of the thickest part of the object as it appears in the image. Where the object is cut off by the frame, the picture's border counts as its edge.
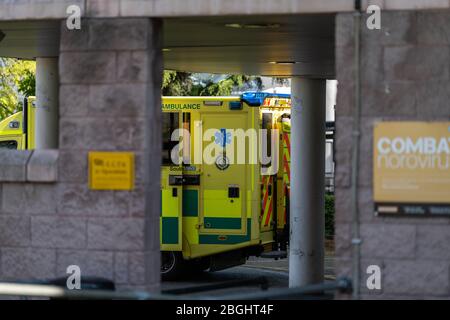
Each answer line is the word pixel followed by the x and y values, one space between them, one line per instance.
pixel 275 271
pixel 283 265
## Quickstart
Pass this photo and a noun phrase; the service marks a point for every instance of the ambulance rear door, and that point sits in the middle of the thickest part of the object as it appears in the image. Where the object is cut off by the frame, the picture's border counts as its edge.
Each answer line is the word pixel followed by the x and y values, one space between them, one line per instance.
pixel 171 186
pixel 223 218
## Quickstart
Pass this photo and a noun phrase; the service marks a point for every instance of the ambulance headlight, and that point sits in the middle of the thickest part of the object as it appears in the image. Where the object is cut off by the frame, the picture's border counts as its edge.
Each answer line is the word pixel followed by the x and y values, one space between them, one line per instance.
pixel 14 125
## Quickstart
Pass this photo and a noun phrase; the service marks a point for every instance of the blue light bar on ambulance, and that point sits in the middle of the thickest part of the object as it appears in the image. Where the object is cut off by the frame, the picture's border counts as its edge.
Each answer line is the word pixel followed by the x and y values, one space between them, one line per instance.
pixel 256 99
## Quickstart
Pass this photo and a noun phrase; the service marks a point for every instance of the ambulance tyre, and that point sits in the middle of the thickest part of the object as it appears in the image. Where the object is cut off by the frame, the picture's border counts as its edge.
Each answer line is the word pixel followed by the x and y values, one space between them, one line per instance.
pixel 199 265
pixel 172 265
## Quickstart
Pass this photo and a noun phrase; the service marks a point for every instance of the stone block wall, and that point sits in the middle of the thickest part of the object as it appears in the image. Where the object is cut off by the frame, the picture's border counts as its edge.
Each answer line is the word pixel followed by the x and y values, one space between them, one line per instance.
pixel 405 75
pixel 110 79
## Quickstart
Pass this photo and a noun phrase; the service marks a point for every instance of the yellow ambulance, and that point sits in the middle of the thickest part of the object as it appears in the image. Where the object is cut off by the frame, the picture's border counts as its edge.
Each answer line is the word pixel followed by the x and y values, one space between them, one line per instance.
pixel 17 131
pixel 224 180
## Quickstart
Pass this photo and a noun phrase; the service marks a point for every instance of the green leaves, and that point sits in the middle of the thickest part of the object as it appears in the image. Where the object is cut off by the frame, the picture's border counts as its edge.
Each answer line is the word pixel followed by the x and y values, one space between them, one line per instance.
pixel 183 84
pixel 329 216
pixel 27 86
pixel 176 83
pixel 17 80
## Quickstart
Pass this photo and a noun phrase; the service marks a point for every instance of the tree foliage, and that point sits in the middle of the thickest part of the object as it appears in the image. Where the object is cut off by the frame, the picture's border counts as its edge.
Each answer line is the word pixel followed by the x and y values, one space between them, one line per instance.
pixel 226 86
pixel 183 84
pixel 281 81
pixel 176 83
pixel 17 80
pixel 329 216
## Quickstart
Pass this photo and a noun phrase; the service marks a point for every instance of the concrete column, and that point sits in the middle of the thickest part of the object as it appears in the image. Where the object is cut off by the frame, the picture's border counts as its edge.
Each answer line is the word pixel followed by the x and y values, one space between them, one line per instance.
pixel 110 100
pixel 47 97
pixel 306 246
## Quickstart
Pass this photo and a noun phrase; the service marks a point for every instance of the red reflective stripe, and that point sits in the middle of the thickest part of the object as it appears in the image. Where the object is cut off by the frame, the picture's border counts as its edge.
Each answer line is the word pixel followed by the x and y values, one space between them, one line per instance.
pixel 268 213
pixel 288 143
pixel 263 200
pixel 266 194
pixel 286 168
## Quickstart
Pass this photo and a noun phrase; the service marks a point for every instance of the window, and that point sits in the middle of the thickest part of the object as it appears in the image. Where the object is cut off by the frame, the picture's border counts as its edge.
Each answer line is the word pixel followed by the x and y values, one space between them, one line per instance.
pixel 11 144
pixel 169 125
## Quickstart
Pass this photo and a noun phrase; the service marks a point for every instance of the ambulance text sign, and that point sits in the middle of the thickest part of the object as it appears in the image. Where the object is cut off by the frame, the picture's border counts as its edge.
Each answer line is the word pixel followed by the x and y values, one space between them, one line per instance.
pixel 411 168
pixel 111 170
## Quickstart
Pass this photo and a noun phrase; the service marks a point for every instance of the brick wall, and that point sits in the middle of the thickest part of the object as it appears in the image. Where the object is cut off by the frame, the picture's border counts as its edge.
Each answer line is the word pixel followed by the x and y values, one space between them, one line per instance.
pixel 110 80
pixel 405 76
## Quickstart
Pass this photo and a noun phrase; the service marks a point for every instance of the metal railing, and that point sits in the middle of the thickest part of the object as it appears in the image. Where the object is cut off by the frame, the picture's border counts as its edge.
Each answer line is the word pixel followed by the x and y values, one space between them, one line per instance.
pixel 260 281
pixel 315 291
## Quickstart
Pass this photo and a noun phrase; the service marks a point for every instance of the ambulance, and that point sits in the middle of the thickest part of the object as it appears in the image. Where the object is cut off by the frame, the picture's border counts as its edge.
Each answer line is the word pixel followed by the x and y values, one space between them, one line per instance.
pixel 224 178
pixel 17 130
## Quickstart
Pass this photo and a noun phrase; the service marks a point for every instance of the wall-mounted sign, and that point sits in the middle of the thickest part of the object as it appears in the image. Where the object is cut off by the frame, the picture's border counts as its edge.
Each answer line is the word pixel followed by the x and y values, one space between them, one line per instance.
pixel 111 170
pixel 411 168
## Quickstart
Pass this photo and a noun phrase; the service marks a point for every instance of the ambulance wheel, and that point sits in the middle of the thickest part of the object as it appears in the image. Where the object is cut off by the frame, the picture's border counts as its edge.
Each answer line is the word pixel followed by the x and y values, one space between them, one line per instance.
pixel 200 265
pixel 172 265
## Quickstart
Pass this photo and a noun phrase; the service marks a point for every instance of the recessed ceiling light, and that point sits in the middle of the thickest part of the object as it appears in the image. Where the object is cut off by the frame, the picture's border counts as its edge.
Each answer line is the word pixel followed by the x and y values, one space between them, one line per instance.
pixel 253 26
pixel 233 25
pixel 283 62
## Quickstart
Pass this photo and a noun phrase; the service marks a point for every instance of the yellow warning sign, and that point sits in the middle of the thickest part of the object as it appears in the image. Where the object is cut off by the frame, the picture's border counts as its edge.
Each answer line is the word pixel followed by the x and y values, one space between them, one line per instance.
pixel 411 167
pixel 111 170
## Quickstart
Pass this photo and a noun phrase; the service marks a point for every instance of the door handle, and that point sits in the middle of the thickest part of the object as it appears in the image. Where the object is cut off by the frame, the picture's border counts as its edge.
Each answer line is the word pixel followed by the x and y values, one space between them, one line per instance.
pixel 233 192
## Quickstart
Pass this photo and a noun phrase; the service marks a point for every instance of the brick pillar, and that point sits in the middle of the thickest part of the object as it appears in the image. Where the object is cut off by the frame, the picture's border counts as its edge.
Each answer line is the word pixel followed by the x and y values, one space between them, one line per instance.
pixel 405 76
pixel 110 80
